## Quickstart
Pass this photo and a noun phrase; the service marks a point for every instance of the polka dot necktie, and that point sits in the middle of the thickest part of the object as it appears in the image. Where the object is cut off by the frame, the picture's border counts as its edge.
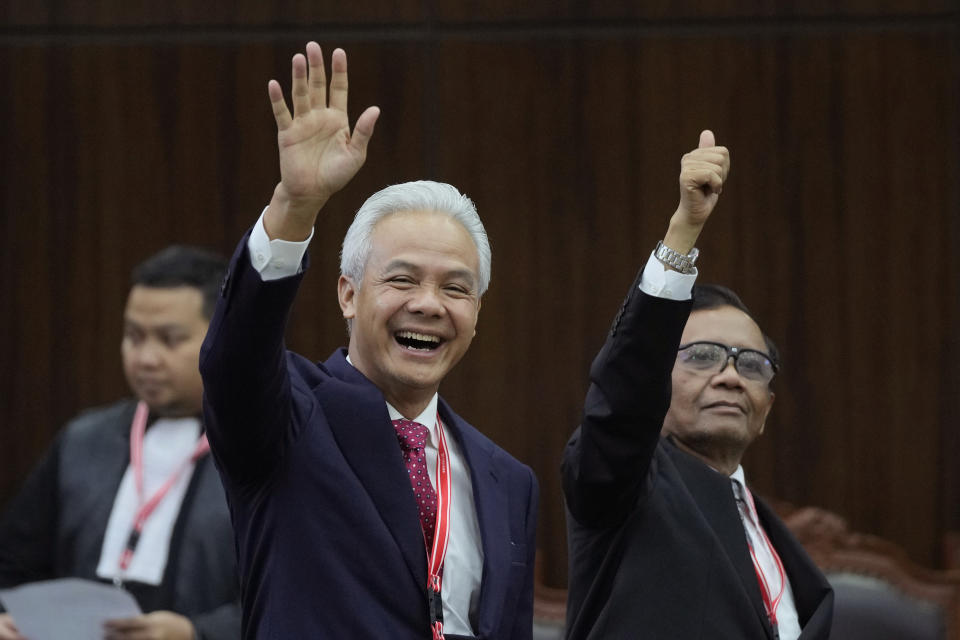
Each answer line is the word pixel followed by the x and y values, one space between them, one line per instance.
pixel 413 436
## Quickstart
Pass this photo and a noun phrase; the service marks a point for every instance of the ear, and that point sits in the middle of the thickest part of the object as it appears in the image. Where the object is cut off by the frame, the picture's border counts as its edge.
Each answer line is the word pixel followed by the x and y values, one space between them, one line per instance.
pixel 347 296
pixel 476 316
pixel 766 412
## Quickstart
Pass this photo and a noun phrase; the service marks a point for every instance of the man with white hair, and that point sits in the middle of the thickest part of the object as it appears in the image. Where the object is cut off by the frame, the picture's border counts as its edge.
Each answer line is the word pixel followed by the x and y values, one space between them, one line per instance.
pixel 363 505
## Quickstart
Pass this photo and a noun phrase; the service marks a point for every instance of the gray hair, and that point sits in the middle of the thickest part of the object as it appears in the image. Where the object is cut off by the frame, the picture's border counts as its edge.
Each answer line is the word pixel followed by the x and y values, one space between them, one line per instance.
pixel 421 195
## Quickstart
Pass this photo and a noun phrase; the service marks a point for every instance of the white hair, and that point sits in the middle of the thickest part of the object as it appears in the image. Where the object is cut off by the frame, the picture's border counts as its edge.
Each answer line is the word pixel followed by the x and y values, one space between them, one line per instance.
pixel 421 195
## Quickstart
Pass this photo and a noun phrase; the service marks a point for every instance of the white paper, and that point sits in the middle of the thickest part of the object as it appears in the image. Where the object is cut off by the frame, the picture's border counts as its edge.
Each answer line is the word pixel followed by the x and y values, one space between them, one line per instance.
pixel 66 609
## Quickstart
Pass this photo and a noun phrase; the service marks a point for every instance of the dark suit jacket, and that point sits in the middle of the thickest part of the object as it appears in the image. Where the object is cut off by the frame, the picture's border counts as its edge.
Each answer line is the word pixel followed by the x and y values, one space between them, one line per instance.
pixel 328 536
pixel 54 528
pixel 657 548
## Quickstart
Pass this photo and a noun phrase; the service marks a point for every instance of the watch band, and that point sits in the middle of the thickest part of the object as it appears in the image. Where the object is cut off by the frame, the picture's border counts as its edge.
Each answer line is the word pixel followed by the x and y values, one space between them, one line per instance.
pixel 679 261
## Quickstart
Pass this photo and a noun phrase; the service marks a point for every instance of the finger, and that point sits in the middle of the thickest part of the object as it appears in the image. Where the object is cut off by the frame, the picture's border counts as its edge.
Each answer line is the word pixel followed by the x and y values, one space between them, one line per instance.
pixel 135 634
pixel 280 112
pixel 338 81
pixel 127 624
pixel 124 629
pixel 318 76
pixel 363 130
pixel 706 178
pixel 299 92
pixel 713 155
pixel 707 139
pixel 713 182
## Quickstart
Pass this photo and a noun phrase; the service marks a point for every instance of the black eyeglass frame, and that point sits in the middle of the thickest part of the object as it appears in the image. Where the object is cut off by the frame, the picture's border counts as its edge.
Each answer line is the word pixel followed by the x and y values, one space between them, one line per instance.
pixel 735 353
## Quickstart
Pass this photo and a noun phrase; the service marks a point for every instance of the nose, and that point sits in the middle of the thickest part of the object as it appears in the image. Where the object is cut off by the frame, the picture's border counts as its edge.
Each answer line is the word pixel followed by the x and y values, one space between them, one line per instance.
pixel 728 376
pixel 426 301
pixel 148 354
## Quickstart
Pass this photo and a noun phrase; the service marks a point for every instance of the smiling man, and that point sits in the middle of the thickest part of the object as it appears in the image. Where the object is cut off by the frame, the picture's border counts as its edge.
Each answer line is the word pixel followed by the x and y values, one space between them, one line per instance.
pixel 364 507
pixel 666 541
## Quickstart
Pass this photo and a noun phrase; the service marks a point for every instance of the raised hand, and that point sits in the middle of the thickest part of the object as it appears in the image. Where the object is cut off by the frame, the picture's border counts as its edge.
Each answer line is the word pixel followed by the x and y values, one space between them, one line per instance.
pixel 318 152
pixel 703 172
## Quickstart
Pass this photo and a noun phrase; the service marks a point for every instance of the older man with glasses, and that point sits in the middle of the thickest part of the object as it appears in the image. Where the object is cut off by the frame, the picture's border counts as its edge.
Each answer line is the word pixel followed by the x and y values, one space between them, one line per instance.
pixel 666 540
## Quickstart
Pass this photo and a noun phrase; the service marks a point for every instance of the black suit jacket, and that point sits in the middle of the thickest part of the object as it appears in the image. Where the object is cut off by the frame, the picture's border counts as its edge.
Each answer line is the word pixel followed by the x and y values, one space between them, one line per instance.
pixel 657 548
pixel 329 541
pixel 54 527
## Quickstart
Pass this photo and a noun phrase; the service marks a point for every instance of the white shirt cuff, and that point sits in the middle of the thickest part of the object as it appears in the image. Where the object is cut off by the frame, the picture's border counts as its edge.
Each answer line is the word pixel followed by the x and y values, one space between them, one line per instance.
pixel 661 282
pixel 275 259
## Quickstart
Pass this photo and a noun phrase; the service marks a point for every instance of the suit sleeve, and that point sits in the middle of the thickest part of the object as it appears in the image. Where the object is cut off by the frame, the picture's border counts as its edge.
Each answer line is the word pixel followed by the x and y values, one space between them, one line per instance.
pixel 608 458
pixel 523 621
pixel 248 408
pixel 29 524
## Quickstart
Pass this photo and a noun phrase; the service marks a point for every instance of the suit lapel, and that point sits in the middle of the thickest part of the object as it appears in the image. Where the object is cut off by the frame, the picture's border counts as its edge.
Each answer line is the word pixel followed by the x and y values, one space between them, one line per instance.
pixel 713 494
pixel 492 505
pixel 357 414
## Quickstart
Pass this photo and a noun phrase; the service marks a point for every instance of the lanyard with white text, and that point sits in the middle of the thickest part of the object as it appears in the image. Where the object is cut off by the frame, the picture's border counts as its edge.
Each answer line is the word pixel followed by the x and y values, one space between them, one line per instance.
pixel 146 507
pixel 441 535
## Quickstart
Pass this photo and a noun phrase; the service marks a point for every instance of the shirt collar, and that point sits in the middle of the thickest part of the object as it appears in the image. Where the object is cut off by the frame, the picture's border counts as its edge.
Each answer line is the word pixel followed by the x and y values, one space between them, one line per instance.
pixel 739 476
pixel 428 417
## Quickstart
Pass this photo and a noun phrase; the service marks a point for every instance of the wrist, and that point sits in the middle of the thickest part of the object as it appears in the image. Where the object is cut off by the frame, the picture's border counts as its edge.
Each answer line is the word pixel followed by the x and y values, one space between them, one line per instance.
pixel 682 235
pixel 289 217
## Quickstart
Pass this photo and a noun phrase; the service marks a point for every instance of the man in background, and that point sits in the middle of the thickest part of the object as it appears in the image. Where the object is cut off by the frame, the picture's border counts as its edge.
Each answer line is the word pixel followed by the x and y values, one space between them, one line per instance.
pixel 128 493
pixel 666 541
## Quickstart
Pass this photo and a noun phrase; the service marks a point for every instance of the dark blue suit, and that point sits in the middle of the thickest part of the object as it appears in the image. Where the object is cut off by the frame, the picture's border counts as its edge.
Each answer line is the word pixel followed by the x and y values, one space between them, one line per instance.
pixel 327 531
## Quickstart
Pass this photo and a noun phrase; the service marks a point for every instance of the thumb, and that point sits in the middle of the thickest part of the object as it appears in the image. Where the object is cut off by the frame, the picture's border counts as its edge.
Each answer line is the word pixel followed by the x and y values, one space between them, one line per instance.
pixel 707 139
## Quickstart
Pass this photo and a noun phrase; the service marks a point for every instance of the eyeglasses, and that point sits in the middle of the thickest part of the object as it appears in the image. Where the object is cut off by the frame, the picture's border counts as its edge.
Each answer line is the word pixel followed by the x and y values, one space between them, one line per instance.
pixel 712 357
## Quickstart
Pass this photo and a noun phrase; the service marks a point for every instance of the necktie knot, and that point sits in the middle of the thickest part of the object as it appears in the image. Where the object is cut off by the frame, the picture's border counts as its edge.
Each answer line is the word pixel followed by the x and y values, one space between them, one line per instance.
pixel 411 435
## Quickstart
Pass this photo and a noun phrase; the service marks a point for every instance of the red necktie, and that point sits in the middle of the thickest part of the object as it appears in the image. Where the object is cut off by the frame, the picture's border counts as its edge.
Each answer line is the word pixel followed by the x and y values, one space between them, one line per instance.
pixel 413 436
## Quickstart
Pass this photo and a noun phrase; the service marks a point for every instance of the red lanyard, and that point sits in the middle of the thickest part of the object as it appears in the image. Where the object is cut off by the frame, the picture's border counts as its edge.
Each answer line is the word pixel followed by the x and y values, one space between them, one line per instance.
pixel 771 604
pixel 441 535
pixel 146 507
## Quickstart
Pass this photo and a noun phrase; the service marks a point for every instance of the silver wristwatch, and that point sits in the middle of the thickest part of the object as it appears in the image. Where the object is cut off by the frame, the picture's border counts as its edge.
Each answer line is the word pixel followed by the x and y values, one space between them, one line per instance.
pixel 680 262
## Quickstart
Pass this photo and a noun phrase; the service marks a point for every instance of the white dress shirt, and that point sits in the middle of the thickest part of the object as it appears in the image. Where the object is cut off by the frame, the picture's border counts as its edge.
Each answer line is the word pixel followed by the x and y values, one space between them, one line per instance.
pixel 463 566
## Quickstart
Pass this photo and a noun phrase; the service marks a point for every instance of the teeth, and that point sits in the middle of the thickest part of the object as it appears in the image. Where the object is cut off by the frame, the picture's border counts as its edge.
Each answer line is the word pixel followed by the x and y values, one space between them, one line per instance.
pixel 422 337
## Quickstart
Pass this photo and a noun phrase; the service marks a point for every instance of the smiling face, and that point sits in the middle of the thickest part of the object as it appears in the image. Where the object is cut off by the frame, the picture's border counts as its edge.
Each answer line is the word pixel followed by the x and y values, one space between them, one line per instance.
pixel 717 415
pixel 162 334
pixel 414 313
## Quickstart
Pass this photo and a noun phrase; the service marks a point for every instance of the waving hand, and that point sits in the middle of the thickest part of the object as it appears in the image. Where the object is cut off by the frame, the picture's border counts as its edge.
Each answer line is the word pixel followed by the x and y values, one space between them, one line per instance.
pixel 318 153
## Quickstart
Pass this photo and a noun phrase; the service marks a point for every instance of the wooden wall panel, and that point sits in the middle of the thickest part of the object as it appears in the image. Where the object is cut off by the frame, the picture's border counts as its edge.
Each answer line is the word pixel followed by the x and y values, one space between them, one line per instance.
pixel 115 152
pixel 696 13
pixel 292 14
pixel 295 14
pixel 499 14
pixel 844 130
pixel 832 141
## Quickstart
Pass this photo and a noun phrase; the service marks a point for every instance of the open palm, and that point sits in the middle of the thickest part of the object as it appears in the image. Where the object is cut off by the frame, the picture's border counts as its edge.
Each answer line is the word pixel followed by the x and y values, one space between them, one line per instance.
pixel 318 153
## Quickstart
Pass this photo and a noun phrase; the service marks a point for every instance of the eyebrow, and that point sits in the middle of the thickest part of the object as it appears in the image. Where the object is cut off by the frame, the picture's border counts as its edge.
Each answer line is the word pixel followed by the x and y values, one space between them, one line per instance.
pixel 168 327
pixel 403 265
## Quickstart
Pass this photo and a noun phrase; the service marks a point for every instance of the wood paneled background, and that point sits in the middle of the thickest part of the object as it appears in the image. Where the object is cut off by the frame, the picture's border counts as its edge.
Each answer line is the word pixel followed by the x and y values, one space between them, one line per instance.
pixel 126 126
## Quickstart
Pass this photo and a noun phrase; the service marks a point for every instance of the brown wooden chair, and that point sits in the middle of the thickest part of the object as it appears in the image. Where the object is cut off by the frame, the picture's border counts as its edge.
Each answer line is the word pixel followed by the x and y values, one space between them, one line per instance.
pixel 880 593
